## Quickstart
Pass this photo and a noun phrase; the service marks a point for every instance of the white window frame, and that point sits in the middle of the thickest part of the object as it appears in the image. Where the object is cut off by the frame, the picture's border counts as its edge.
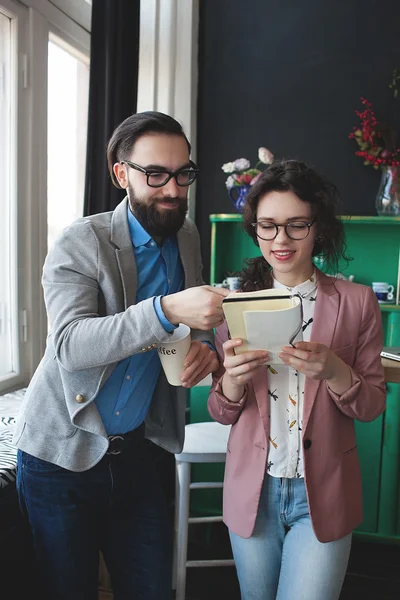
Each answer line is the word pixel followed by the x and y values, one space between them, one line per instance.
pixel 42 19
pixel 18 186
pixel 68 11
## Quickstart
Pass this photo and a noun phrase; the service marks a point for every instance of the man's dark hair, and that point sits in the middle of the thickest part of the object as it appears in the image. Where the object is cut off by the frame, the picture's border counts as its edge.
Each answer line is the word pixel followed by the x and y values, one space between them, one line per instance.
pixel 311 187
pixel 129 131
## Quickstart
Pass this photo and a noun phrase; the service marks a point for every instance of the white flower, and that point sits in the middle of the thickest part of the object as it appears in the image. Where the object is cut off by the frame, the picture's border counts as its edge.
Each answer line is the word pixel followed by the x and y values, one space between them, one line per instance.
pixel 230 182
pixel 265 156
pixel 241 164
pixel 228 167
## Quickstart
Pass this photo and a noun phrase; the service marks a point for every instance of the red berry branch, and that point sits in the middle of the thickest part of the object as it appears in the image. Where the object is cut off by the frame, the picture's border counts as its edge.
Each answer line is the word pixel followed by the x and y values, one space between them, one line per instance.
pixel 377 141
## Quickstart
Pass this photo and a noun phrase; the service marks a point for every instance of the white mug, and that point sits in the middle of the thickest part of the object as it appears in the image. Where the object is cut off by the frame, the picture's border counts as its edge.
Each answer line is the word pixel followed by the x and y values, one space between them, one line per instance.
pixel 231 283
pixel 383 291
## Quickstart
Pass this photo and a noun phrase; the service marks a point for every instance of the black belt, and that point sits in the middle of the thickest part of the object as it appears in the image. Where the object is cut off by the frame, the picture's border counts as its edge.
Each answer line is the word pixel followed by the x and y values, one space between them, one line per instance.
pixel 120 441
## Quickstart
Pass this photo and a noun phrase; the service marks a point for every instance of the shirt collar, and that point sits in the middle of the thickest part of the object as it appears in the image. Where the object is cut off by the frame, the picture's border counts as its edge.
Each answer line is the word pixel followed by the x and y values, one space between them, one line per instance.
pixel 304 288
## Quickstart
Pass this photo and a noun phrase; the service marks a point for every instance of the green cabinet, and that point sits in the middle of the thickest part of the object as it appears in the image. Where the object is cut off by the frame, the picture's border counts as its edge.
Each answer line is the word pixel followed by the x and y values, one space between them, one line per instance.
pixel 374 245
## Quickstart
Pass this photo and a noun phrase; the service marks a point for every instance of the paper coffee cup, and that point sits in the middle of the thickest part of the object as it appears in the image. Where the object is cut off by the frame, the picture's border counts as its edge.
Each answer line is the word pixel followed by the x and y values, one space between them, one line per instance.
pixel 173 352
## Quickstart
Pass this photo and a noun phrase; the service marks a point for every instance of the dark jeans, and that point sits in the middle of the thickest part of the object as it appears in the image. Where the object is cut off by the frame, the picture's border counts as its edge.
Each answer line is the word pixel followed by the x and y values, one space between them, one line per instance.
pixel 118 506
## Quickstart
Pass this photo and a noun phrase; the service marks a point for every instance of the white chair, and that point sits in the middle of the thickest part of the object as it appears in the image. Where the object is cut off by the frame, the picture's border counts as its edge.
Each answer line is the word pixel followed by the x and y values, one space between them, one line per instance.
pixel 204 443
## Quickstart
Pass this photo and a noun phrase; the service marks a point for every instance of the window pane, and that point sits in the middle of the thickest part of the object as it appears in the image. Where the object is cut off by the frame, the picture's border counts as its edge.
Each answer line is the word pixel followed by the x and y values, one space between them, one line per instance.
pixel 68 85
pixel 7 282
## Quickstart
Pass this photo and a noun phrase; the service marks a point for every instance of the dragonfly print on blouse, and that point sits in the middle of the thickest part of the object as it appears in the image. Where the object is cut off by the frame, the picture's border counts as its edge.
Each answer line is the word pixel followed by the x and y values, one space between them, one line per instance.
pixel 272 394
pixel 307 324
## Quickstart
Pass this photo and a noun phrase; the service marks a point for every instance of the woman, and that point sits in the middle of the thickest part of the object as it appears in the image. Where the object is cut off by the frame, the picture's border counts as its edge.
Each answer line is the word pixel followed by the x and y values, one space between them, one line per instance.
pixel 292 491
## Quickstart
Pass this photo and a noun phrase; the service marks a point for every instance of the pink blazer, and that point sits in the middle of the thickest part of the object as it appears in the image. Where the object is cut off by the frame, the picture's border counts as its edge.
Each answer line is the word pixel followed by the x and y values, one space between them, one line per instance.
pixel 347 319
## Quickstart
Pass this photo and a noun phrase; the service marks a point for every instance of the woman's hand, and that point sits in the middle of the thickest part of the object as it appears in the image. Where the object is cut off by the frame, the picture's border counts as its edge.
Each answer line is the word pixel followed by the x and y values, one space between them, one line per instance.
pixel 239 368
pixel 317 361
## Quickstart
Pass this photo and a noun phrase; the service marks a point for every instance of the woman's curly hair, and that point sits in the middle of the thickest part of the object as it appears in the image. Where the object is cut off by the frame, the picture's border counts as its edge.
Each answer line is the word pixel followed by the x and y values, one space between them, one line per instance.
pixel 310 187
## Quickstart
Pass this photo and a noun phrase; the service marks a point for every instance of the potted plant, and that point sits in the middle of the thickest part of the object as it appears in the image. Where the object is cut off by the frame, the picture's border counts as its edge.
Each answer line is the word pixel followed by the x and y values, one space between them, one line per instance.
pixel 241 176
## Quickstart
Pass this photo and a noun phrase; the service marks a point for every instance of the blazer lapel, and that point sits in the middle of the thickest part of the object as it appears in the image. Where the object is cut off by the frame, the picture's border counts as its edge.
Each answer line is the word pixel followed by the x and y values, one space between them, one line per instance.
pixel 323 329
pixel 121 238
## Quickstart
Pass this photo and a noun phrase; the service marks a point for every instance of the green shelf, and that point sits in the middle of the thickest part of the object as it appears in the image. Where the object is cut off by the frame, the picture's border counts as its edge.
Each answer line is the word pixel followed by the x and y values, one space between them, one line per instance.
pixel 390 307
pixel 373 243
pixel 354 220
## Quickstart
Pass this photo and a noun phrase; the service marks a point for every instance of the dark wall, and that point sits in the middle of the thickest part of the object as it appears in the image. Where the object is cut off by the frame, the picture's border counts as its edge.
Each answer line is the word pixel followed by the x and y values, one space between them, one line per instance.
pixel 289 75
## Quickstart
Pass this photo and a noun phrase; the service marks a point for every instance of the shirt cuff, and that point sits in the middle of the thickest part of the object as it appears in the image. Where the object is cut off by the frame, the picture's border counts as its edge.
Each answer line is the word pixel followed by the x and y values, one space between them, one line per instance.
pixel 226 404
pixel 169 327
pixel 351 392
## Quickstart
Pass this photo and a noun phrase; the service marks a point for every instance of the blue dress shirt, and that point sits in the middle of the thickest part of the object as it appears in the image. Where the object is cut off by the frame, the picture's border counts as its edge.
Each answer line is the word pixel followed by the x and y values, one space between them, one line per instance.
pixel 125 398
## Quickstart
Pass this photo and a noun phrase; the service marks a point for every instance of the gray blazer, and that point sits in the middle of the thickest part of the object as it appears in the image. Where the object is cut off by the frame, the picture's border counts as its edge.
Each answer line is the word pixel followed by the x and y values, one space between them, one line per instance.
pixel 89 281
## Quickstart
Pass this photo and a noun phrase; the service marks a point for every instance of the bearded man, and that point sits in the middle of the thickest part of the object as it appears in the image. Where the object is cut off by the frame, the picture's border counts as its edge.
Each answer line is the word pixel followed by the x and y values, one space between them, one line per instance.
pixel 115 285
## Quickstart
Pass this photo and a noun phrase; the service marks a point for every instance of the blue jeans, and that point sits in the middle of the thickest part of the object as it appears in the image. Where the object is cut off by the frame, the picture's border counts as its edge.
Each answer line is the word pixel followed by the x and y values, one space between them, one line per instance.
pixel 283 560
pixel 118 506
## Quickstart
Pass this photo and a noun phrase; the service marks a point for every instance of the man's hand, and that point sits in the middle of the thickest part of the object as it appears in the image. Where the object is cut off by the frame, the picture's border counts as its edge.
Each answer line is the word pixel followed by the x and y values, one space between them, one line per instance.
pixel 199 362
pixel 199 307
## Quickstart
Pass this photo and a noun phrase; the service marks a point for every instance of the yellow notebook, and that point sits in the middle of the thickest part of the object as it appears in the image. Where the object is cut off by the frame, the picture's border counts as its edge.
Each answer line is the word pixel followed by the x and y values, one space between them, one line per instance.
pixel 264 320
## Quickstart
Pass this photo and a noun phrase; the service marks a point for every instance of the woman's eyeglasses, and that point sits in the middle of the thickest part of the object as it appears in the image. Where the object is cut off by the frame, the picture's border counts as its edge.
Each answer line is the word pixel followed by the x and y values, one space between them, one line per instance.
pixel 295 230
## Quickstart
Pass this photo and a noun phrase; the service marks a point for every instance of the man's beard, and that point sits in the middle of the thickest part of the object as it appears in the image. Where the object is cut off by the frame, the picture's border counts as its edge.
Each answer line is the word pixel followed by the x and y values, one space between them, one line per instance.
pixel 158 223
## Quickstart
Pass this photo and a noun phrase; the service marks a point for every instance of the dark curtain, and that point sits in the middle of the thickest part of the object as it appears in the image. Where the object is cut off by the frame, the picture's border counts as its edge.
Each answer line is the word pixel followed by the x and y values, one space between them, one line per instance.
pixel 114 62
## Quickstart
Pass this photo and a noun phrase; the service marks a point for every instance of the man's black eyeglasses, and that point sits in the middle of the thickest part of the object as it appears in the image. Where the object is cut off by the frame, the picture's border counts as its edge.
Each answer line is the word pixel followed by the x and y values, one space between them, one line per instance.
pixel 295 230
pixel 157 178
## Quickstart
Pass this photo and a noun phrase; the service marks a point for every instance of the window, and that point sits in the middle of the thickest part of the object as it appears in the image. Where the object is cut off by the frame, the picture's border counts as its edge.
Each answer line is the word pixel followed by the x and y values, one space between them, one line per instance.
pixel 68 88
pixel 12 316
pixel 43 120
pixel 6 205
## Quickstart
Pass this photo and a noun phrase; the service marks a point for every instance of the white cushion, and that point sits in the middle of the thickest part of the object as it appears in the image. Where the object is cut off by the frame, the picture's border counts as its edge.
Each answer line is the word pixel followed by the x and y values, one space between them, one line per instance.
pixel 205 438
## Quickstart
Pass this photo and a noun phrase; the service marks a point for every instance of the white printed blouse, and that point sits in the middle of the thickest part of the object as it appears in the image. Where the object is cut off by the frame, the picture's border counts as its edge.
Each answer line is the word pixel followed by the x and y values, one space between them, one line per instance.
pixel 286 397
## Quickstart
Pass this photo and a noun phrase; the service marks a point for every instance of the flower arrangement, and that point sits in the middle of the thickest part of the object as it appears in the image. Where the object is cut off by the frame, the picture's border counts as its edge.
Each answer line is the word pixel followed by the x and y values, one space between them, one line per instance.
pixel 377 141
pixel 241 173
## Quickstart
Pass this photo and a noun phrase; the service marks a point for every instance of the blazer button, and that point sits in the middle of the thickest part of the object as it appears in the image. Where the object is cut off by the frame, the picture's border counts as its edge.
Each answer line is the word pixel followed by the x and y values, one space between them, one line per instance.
pixel 307 444
pixel 79 398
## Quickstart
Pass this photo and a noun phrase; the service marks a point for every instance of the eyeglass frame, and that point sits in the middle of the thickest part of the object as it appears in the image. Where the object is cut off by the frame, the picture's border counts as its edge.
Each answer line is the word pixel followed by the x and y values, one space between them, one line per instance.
pixel 284 225
pixel 193 168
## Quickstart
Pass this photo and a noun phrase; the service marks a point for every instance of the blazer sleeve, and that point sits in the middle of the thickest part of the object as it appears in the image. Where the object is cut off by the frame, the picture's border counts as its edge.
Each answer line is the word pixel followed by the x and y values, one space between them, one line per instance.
pixel 83 334
pixel 219 407
pixel 366 398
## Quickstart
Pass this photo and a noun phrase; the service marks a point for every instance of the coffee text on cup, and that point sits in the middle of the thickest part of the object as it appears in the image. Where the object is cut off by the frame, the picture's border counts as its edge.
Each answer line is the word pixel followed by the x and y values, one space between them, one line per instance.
pixel 163 350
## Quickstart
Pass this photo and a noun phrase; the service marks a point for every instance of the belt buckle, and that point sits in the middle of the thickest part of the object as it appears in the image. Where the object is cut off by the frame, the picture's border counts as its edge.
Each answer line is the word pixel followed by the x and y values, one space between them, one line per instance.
pixel 114 441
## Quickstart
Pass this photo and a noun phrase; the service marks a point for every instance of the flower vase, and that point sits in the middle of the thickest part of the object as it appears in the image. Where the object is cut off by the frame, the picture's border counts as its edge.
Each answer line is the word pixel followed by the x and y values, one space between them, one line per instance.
pixel 388 196
pixel 238 195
